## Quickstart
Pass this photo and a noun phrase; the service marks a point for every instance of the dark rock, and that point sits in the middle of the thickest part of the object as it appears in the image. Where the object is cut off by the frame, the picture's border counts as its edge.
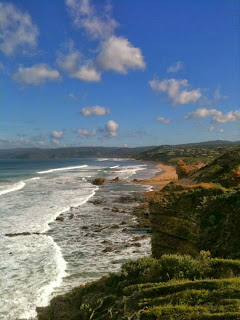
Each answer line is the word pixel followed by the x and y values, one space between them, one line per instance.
pixel 105 241
pixel 85 227
pixel 108 249
pixel 115 226
pixel 115 209
pixel 115 179
pixel 21 234
pixel 71 216
pixel 97 202
pixel 98 181
pixel 60 219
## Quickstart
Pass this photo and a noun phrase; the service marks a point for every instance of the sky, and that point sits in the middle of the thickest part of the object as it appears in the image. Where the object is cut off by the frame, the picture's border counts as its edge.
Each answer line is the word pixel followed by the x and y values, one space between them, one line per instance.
pixel 118 73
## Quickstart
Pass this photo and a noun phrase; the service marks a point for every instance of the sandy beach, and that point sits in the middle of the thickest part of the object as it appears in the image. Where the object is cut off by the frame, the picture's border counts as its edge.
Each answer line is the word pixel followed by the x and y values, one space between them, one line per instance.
pixel 161 180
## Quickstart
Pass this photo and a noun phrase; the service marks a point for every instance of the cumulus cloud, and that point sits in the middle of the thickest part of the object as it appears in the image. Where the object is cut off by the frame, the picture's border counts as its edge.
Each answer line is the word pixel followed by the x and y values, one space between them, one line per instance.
pixel 86 133
pixel 57 134
pixel 173 88
pixel 56 142
pixel 74 65
pixel 98 26
pixel 175 67
pixel 119 54
pixel 17 31
pixel 217 116
pixel 94 111
pixel 114 53
pixel 87 73
pixel 111 128
pixel 37 74
pixel 202 113
pixel 69 62
pixel 163 120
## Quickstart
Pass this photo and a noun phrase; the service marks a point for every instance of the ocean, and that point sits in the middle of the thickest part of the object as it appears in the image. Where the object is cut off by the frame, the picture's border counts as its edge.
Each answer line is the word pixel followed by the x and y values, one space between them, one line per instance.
pixel 56 256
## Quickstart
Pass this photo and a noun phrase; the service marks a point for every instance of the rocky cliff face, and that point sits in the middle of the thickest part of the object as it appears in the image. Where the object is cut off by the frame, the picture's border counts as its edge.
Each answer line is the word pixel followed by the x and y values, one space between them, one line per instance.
pixel 187 219
pixel 183 170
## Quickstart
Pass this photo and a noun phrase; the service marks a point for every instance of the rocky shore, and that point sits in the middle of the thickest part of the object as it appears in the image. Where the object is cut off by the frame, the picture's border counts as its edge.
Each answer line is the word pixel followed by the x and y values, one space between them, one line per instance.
pixel 194 269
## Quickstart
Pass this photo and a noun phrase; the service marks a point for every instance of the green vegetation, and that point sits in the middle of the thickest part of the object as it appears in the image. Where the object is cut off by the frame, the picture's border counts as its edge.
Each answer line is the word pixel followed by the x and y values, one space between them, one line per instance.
pixel 224 170
pixel 172 287
pixel 191 154
pixel 187 219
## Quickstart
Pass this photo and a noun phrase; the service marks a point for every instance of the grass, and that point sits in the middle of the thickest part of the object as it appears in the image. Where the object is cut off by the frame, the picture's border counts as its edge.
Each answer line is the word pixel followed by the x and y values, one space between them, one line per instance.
pixel 172 287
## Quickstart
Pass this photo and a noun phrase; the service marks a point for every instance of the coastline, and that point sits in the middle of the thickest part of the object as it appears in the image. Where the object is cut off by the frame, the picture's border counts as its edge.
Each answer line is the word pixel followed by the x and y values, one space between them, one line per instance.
pixel 162 179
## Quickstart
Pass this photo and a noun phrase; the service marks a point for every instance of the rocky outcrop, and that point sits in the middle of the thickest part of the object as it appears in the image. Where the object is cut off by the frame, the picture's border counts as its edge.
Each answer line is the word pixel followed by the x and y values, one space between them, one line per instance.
pixel 187 219
pixel 183 170
pixel 115 179
pixel 98 181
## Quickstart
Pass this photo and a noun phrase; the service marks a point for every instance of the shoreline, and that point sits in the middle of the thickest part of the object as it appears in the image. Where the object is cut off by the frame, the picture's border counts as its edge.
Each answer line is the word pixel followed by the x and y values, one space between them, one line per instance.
pixel 160 180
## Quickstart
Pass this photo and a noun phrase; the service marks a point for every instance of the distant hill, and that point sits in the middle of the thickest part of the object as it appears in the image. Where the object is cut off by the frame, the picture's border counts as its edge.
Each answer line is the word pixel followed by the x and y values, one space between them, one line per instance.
pixel 190 153
pixel 162 153
pixel 73 152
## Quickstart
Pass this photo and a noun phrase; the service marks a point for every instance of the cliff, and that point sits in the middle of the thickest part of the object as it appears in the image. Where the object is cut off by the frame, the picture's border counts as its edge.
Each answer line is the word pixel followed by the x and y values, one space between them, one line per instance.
pixel 187 219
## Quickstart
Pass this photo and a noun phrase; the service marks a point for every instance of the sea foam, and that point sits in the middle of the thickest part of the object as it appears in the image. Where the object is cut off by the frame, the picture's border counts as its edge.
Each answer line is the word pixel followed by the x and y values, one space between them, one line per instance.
pixel 63 169
pixel 14 187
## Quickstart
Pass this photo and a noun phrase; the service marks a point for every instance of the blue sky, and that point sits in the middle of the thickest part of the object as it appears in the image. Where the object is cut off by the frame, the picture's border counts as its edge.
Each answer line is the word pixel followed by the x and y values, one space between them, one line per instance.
pixel 118 73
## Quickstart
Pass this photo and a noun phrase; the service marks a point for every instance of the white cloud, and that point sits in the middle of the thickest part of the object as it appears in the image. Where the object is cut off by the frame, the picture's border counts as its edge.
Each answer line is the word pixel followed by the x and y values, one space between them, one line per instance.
pixel 218 116
pixel 173 88
pixel 56 142
pixel 72 63
pixel 118 54
pixel 57 134
pixel 17 31
pixel 87 73
pixel 231 116
pixel 69 62
pixel 221 130
pixel 111 128
pixel 125 145
pixel 86 133
pixel 163 120
pixel 175 67
pixel 94 111
pixel 37 74
pixel 202 113
pixel 85 17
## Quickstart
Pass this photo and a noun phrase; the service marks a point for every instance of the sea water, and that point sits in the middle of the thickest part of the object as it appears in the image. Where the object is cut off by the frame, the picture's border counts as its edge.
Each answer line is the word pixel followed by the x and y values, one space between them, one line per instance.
pixel 56 256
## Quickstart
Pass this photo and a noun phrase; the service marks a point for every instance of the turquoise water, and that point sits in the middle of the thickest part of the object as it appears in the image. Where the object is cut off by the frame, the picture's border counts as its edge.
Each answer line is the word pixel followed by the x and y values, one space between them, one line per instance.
pixel 33 193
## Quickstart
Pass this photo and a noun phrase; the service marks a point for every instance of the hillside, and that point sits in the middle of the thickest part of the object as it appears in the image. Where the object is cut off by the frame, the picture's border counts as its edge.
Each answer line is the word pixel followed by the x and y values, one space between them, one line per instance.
pixel 224 170
pixel 73 152
pixel 192 153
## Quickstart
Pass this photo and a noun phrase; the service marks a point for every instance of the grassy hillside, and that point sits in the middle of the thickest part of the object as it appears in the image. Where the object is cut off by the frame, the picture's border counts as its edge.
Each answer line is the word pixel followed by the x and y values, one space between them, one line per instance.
pixel 171 288
pixel 224 170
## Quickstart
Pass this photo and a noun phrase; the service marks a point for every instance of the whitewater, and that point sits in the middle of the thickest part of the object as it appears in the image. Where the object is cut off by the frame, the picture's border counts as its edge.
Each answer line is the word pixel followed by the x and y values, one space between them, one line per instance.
pixel 57 256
